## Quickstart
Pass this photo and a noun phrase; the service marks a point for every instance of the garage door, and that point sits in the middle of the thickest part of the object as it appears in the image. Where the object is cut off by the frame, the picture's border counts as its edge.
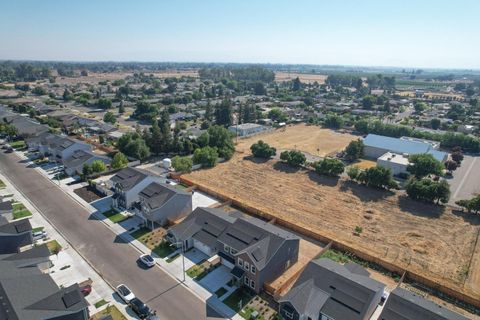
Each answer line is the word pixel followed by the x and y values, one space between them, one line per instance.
pixel 202 247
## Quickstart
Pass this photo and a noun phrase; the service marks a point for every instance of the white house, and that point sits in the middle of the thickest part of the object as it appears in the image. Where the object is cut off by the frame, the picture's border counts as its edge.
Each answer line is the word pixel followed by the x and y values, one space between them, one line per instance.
pixel 398 163
pixel 127 184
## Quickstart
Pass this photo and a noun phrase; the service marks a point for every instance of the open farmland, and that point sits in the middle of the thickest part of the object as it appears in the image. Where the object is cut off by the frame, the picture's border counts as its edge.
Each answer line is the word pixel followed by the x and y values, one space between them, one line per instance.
pixel 428 240
pixel 311 139
pixel 304 77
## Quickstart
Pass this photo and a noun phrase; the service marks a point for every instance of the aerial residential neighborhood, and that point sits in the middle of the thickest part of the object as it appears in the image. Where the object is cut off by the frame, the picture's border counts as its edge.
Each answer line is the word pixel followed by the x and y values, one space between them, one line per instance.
pixel 242 160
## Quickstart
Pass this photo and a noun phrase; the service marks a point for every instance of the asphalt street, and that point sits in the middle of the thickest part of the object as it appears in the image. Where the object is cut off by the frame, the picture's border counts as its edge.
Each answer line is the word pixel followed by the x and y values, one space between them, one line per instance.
pixel 114 259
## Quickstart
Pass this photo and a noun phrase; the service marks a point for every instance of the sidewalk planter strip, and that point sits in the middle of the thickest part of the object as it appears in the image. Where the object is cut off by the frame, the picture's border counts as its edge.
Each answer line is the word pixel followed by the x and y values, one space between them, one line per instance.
pixel 100 303
pixel 54 246
pixel 19 211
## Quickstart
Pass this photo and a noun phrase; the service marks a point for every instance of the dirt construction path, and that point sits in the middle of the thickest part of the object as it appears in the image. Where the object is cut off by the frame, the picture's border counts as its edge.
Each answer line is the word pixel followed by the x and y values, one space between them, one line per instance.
pixel 426 239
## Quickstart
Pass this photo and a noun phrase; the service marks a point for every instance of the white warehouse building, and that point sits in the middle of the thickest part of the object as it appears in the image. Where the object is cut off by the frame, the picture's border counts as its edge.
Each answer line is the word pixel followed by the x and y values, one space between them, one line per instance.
pixel 398 163
pixel 246 129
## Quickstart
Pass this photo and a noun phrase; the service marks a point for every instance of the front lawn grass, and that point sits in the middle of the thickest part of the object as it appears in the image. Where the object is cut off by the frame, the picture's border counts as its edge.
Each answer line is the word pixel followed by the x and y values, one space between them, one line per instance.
pixel 100 303
pixel 54 246
pixel 233 300
pixel 19 211
pixel 109 311
pixel 19 144
pixel 114 216
pixel 37 229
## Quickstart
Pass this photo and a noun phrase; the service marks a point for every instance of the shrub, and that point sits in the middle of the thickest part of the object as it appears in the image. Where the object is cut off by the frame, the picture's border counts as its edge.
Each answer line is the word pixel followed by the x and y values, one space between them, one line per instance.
pixel 263 150
pixel 329 167
pixel 293 158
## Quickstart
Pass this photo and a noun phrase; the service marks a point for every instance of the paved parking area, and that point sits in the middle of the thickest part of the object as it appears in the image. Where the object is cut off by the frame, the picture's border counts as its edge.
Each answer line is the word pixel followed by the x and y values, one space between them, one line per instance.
pixel 466 180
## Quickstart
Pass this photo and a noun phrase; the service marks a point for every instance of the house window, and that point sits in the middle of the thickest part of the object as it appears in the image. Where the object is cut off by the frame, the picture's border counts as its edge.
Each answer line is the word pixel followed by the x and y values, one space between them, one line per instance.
pixel 226 248
pixel 246 281
pixel 233 251
pixel 252 284
pixel 253 269
pixel 246 265
pixel 240 262
pixel 287 314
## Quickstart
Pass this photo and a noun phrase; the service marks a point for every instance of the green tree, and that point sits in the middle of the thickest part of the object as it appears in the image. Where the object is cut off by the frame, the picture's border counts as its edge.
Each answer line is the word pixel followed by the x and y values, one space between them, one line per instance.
pixel 334 121
pixel 293 157
pixel 109 117
pixel 119 161
pixel 104 103
pixel 420 106
pixel 164 125
pixel 133 145
pixel 39 91
pixel 428 190
pixel 206 156
pixel 98 166
pixel 87 170
pixel 221 139
pixel 354 150
pixel 155 141
pixel 457 156
pixel 296 84
pixel 378 177
pixel 353 172
pixel 471 204
pixel 223 113
pixel 435 123
pixel 121 108
pixel 182 164
pixel 277 115
pixel 422 165
pixel 262 150
pixel 259 89
pixel 67 95
pixel 329 167
pixel 451 166
pixel 368 101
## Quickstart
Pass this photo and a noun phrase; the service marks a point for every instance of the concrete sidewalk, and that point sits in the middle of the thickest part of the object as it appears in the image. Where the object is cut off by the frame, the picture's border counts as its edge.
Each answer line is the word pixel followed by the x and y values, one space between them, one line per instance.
pixel 171 268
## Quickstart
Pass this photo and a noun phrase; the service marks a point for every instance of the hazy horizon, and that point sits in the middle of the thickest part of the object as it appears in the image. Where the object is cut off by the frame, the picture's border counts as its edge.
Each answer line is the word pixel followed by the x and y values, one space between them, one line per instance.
pixel 373 33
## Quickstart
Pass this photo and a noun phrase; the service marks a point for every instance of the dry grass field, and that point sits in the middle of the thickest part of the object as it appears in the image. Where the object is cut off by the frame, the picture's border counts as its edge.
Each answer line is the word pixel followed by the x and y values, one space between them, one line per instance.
pixel 304 77
pixel 311 139
pixel 430 240
pixel 430 95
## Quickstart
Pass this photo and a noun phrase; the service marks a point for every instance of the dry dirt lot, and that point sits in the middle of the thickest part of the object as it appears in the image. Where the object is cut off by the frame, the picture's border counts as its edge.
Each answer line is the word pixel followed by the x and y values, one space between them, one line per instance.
pixel 426 239
pixel 304 77
pixel 311 139
pixel 430 94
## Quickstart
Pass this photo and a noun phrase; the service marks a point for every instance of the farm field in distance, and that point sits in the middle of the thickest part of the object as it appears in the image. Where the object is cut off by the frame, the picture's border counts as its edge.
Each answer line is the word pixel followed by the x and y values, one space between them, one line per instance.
pixel 304 77
pixel 310 139
pixel 429 240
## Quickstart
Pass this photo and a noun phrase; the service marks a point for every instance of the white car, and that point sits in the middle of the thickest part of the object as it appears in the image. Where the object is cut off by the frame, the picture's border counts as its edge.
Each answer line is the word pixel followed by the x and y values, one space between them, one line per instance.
pixel 147 260
pixel 39 235
pixel 125 293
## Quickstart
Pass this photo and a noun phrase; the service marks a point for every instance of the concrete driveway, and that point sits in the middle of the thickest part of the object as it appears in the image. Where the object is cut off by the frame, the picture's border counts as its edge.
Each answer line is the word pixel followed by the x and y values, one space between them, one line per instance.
pixel 216 279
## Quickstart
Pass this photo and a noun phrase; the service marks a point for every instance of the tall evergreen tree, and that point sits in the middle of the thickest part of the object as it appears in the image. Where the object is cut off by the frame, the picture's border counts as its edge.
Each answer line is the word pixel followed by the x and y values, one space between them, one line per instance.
pixel 164 125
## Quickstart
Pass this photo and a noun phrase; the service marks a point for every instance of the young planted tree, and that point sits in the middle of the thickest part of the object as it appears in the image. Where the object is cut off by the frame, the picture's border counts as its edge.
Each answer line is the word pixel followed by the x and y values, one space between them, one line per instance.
pixel 98 166
pixel 262 150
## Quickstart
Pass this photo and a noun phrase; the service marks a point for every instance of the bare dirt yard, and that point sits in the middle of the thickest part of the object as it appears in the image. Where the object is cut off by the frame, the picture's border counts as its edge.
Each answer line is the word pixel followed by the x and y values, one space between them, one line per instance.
pixel 311 139
pixel 430 240
pixel 304 77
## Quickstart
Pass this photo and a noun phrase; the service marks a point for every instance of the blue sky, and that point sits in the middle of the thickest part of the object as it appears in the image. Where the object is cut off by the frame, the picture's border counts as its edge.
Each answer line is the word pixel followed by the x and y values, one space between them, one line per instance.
pixel 425 33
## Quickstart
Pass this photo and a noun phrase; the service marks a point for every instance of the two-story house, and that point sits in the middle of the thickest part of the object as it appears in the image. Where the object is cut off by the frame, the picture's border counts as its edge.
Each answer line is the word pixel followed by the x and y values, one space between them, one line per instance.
pixel 405 305
pixel 256 252
pixel 160 203
pixel 327 290
pixel 15 235
pixel 57 147
pixel 127 184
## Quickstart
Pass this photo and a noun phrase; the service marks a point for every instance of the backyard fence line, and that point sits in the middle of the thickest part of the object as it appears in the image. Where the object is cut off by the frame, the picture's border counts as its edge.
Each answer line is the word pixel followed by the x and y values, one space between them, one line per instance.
pixel 438 285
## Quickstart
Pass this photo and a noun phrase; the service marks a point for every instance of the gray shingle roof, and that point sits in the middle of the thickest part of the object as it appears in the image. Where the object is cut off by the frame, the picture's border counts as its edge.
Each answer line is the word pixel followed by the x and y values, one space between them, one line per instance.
pixel 255 237
pixel 16 227
pixel 405 305
pixel 332 289
pixel 129 177
pixel 79 157
pixel 155 195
